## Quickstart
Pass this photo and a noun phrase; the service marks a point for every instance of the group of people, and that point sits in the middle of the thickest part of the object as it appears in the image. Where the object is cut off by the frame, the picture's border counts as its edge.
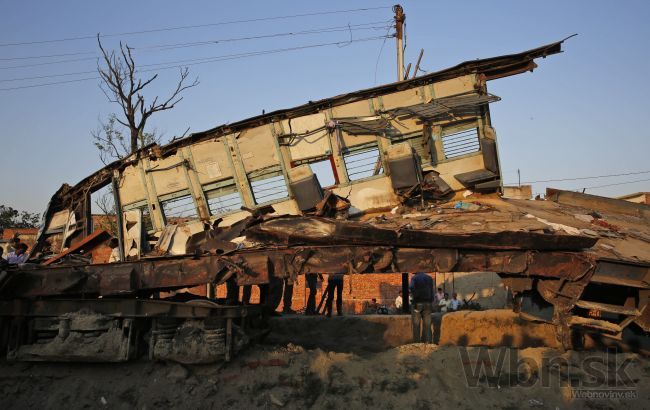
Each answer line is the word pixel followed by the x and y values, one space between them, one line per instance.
pixel 17 254
pixel 282 290
pixel 424 300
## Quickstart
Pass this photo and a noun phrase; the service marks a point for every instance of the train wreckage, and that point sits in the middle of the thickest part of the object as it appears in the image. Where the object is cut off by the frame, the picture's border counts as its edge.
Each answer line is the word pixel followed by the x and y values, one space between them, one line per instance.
pixel 242 203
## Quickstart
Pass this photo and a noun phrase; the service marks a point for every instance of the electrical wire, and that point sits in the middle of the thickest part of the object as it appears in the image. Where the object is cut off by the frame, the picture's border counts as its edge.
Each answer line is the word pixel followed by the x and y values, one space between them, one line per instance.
pixel 220 23
pixel 187 61
pixel 616 184
pixel 173 46
pixel 581 178
pixel 192 62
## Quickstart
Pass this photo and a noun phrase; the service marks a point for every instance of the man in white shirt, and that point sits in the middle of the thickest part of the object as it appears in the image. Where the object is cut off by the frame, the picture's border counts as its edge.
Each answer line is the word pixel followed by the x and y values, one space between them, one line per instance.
pixel 444 302
pixel 399 303
pixel 454 304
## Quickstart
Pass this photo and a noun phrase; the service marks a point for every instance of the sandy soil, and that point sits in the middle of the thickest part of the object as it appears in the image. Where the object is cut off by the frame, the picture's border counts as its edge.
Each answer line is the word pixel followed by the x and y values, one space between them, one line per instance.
pixel 412 376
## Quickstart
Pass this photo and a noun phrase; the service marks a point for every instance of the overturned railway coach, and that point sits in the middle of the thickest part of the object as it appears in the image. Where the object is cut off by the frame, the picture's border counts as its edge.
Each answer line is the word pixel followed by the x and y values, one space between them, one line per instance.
pixel 306 190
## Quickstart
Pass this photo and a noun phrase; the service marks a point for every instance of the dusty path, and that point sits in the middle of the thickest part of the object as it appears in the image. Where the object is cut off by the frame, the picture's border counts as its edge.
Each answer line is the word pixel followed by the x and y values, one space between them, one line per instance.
pixel 411 376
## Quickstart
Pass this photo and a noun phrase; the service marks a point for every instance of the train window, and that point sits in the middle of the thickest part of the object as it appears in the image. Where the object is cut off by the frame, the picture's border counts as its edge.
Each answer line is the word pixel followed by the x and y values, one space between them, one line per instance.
pixel 180 207
pixel 268 185
pixel 362 162
pixel 223 199
pixel 460 143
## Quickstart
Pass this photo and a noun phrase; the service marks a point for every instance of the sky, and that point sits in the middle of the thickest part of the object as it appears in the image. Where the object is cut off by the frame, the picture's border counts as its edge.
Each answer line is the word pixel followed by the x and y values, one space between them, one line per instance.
pixel 581 113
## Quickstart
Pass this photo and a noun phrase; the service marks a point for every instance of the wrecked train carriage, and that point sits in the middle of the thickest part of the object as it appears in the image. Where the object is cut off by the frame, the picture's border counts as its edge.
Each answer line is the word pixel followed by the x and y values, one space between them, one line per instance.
pixel 366 144
pixel 377 145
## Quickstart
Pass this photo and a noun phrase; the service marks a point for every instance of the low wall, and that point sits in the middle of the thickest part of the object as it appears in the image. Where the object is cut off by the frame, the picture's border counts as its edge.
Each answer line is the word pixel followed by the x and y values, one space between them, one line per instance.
pixel 373 333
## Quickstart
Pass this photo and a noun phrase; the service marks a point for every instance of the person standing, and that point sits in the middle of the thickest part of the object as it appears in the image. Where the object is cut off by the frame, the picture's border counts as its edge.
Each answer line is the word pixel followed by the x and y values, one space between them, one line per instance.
pixel 421 288
pixel 454 304
pixel 281 289
pixel 399 302
pixel 440 295
pixel 443 305
pixel 312 284
pixel 334 281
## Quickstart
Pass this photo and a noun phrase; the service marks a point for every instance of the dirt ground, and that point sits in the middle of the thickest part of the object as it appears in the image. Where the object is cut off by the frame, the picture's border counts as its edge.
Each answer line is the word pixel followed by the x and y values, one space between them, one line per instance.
pixel 414 376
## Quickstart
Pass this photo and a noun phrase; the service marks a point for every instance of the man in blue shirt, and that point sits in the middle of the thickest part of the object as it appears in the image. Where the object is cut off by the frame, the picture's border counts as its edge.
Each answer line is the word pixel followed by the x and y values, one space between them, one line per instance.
pixel 421 288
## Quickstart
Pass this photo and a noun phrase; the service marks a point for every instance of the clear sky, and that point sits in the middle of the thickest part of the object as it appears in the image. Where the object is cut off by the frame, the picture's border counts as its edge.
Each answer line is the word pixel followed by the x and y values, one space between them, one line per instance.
pixel 581 113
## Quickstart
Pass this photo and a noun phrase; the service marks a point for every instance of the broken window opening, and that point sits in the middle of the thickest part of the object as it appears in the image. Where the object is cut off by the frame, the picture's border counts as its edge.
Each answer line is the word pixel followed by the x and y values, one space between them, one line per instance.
pixel 103 210
pixel 224 199
pixel 323 168
pixel 362 162
pixel 178 208
pixel 147 223
pixel 461 143
pixel 268 185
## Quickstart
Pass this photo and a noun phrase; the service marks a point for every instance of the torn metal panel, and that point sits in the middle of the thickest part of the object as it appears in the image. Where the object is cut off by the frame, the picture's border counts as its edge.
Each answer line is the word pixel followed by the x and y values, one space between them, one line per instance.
pixel 445 108
pixel 364 125
pixel 598 203
pixel 629 274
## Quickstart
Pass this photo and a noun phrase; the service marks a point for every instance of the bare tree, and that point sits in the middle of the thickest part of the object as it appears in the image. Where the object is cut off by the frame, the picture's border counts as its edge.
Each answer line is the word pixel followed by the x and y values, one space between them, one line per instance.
pixel 121 85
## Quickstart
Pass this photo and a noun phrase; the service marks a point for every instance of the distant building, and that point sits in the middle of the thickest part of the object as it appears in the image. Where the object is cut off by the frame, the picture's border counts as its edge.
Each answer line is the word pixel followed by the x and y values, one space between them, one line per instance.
pixel 639 198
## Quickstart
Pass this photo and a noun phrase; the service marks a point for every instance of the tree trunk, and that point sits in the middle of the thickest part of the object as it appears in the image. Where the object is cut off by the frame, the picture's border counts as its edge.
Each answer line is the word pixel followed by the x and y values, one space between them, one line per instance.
pixel 134 140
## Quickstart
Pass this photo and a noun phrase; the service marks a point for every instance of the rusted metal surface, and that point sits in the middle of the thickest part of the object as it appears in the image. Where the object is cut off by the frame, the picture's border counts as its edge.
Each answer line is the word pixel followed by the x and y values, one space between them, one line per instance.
pixel 134 308
pixel 255 266
pixel 292 231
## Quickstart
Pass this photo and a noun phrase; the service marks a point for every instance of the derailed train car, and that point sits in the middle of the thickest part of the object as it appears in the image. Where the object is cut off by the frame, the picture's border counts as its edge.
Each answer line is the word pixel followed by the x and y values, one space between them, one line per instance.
pixel 310 189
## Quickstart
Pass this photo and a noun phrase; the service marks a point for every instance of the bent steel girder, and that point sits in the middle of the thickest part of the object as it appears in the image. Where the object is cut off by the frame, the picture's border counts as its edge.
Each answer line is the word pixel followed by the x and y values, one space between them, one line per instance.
pixel 255 266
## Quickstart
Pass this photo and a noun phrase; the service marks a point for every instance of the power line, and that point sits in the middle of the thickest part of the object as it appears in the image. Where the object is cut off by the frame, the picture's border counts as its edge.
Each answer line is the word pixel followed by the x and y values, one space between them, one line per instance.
pixel 220 23
pixel 193 62
pixel 589 177
pixel 165 47
pixel 47 56
pixel 349 27
pixel 619 183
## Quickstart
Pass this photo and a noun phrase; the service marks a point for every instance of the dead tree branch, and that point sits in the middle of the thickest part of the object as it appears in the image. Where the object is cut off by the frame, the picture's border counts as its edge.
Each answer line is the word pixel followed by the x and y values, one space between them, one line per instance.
pixel 121 85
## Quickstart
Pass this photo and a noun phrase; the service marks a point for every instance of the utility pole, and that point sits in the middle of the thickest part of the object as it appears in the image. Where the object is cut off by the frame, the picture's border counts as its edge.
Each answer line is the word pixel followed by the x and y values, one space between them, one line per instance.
pixel 400 17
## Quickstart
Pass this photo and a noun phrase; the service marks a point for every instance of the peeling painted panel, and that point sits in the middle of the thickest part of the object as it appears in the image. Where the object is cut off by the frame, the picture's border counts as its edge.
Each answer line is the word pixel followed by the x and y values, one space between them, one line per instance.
pixel 168 174
pixel 59 220
pixel 457 166
pixel 211 161
pixel 257 148
pixel 375 193
pixel 454 86
pixel 131 189
pixel 286 207
pixel 181 235
pixel 402 98
pixel 354 140
pixel 310 145
pixel 355 109
pixel 232 218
